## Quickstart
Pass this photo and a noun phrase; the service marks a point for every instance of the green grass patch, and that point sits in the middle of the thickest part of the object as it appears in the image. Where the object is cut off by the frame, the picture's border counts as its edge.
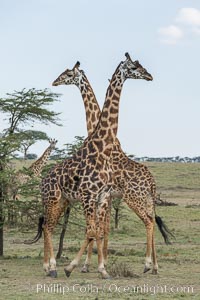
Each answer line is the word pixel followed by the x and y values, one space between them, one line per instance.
pixel 21 271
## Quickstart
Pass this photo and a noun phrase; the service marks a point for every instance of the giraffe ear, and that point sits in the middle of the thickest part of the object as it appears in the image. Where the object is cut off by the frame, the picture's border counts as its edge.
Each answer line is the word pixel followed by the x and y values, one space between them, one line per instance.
pixel 137 64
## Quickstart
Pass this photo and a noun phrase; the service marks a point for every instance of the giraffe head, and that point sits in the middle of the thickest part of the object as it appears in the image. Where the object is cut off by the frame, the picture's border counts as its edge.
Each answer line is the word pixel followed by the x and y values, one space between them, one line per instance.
pixel 52 143
pixel 133 69
pixel 69 76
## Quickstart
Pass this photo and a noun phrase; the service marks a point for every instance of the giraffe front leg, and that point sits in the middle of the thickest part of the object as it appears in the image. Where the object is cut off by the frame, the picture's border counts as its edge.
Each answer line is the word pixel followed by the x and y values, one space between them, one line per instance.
pixel 101 266
pixel 68 269
pixel 106 233
pixel 85 268
pixel 101 250
pixel 103 221
pixel 90 235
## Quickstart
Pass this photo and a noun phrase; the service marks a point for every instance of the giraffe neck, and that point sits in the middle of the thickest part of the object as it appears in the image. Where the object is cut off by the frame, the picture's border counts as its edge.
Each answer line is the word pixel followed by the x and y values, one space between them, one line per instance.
pixel 108 123
pixel 92 108
pixel 37 166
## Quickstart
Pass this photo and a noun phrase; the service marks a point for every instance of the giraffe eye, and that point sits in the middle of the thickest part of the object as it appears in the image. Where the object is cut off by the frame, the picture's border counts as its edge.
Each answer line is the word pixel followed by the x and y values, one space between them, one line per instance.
pixel 76 178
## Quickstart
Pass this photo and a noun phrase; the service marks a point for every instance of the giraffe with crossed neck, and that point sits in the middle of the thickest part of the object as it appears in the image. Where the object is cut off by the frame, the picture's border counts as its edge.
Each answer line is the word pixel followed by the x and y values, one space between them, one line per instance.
pixel 140 182
pixel 88 176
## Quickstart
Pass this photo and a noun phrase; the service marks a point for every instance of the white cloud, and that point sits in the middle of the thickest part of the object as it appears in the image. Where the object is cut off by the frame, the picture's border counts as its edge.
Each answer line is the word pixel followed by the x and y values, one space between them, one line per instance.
pixel 189 16
pixel 170 34
pixel 188 20
pixel 196 30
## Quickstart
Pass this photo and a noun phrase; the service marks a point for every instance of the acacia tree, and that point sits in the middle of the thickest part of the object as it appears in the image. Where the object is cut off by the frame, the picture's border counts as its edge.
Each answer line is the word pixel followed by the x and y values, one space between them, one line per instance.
pixel 7 146
pixel 117 205
pixel 74 146
pixel 30 137
pixel 21 108
pixel 25 107
pixel 1 210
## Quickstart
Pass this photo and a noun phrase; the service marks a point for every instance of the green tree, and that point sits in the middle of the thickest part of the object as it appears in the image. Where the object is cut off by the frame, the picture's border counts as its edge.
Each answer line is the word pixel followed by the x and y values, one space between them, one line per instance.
pixel 26 107
pixel 7 146
pixel 21 108
pixel 75 145
pixel 69 150
pixel 29 138
pixel 117 206
pixel 2 184
pixel 31 156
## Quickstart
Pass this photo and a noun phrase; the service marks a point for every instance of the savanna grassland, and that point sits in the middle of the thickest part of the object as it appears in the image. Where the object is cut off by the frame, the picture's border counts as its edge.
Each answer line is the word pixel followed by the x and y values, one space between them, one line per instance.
pixel 22 276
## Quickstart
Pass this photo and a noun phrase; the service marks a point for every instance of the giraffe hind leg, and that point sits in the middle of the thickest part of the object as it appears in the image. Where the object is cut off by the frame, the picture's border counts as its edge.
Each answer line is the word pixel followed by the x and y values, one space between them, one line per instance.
pixel 51 219
pixel 90 234
pixel 148 258
pixel 155 264
pixel 146 213
pixel 46 254
pixel 49 264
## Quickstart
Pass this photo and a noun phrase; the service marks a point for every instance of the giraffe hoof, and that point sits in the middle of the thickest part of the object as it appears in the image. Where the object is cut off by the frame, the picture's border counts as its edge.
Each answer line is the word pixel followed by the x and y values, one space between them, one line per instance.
pixel 106 277
pixel 146 269
pixel 67 273
pixel 85 269
pixel 154 272
pixel 53 273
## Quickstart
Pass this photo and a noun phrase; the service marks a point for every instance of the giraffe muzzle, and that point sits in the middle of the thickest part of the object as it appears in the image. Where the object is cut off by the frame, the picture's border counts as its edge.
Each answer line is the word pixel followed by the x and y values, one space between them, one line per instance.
pixel 149 78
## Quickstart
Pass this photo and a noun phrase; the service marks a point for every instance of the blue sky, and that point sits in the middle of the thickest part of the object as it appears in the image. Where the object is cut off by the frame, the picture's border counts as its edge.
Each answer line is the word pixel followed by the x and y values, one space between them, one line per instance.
pixel 41 38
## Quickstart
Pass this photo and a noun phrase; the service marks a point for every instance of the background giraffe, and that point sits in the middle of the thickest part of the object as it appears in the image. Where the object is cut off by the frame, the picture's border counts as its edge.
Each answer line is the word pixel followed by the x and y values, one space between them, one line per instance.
pixel 34 170
pixel 136 173
pixel 37 166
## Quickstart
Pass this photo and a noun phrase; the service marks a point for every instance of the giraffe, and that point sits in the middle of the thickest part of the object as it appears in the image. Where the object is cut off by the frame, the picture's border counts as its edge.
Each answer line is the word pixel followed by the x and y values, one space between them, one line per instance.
pixel 37 166
pixel 87 177
pixel 33 170
pixel 139 179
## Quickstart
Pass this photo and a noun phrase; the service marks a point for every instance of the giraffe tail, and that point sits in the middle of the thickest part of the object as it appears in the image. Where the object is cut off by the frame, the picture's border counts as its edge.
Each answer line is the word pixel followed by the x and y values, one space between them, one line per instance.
pixel 164 230
pixel 39 233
